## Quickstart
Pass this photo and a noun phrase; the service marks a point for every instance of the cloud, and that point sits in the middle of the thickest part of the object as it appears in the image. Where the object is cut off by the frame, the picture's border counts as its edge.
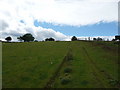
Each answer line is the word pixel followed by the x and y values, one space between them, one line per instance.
pixel 4 25
pixel 38 32
pixel 62 12
pixel 46 33
pixel 70 12
pixel 76 13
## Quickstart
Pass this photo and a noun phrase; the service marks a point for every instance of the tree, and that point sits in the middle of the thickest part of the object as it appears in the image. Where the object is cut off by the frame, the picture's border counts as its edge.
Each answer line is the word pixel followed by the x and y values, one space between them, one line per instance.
pixel 49 39
pixel 36 41
pixel 19 38
pixel 8 39
pixel 113 39
pixel 117 37
pixel 94 39
pixel 26 37
pixel 89 38
pixel 73 38
pixel 107 39
pixel 99 39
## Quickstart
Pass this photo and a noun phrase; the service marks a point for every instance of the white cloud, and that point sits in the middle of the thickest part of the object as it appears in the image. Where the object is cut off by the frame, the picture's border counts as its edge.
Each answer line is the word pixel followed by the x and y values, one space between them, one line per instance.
pixel 38 32
pixel 68 12
pixel 42 33
pixel 76 12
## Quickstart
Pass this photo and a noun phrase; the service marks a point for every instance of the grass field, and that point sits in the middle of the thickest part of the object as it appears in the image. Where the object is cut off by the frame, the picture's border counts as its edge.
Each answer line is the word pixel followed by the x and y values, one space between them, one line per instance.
pixel 76 64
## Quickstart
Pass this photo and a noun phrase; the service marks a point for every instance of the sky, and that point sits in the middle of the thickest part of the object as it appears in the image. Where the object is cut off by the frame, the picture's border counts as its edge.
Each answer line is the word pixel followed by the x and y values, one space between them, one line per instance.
pixel 60 19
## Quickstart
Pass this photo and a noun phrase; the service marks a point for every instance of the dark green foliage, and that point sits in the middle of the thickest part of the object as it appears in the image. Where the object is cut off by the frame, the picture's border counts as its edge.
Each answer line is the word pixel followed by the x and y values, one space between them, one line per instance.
pixel 67 70
pixel 65 81
pixel 97 39
pixel 94 39
pixel 117 37
pixel 49 39
pixel 20 38
pixel 113 39
pixel 36 41
pixel 8 39
pixel 66 74
pixel 73 38
pixel 27 37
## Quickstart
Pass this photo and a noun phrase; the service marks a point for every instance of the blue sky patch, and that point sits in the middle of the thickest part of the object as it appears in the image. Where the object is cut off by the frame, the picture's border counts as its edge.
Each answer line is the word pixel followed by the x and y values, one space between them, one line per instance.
pixel 101 29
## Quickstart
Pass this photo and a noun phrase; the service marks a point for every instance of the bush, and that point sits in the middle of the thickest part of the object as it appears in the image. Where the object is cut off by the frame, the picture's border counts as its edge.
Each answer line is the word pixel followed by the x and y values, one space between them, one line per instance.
pixel 67 70
pixel 65 81
pixel 36 41
pixel 66 74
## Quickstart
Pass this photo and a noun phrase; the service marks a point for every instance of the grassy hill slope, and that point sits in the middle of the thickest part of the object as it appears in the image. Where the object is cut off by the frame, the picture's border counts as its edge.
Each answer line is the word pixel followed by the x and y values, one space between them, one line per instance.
pixel 31 65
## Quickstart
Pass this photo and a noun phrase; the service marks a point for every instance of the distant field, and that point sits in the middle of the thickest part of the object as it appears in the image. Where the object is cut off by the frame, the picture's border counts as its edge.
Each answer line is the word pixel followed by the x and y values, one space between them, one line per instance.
pixel 76 64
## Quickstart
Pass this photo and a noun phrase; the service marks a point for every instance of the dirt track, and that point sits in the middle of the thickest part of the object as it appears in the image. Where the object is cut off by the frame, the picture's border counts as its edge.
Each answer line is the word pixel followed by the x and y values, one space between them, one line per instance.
pixel 56 74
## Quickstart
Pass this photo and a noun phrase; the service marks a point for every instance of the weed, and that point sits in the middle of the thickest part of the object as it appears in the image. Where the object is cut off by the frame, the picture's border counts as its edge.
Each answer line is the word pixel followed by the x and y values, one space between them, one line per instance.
pixel 67 70
pixel 65 81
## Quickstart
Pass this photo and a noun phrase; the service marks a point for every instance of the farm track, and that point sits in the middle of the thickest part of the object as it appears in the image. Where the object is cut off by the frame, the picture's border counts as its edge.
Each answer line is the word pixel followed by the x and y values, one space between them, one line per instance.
pixel 56 74
pixel 99 75
pixel 105 73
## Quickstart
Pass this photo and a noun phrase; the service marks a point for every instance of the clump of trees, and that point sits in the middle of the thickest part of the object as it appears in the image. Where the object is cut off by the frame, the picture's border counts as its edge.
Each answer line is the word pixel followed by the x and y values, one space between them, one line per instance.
pixel 98 39
pixel 8 39
pixel 74 38
pixel 29 37
pixel 117 37
pixel 49 39
pixel 26 37
pixel 36 41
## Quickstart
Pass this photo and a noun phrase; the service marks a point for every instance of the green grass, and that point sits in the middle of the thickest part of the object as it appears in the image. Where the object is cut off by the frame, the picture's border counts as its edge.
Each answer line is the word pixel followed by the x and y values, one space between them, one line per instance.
pixel 28 65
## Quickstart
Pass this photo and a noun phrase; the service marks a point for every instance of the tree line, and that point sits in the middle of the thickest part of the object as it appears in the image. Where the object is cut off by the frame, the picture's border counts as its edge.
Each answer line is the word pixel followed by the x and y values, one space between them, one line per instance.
pixel 29 38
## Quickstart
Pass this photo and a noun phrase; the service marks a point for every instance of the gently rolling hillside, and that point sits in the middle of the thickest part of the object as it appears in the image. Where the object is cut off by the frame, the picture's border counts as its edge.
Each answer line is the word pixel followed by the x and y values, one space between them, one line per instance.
pixel 76 64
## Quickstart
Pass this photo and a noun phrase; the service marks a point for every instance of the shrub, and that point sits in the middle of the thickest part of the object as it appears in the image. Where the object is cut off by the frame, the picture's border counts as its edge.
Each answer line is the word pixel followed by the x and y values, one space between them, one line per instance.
pixel 65 81
pixel 66 74
pixel 36 41
pixel 67 70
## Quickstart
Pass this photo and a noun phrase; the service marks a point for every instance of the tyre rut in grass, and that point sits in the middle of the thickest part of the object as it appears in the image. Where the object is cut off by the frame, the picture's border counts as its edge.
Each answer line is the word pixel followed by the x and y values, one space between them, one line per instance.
pixel 51 81
pixel 101 76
